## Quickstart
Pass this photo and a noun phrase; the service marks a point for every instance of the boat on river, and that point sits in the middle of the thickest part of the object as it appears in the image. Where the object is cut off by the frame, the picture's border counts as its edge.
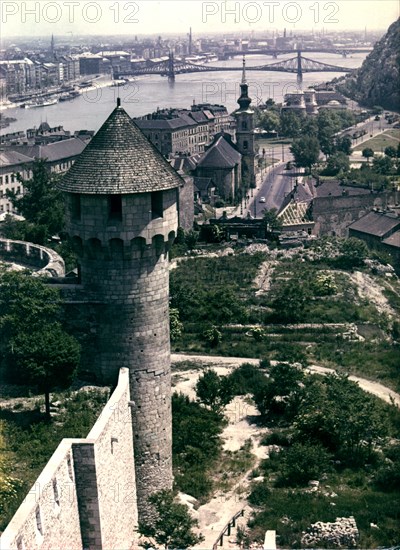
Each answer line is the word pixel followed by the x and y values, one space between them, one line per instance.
pixel 69 95
pixel 42 102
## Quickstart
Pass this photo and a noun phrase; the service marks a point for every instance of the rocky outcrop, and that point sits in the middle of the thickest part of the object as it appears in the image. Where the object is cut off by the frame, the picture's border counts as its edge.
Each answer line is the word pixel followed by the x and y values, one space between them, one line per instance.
pixel 377 82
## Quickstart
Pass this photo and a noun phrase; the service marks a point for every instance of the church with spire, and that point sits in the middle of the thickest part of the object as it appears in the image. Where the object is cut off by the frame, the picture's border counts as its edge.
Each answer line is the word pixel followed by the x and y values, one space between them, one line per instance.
pixel 245 132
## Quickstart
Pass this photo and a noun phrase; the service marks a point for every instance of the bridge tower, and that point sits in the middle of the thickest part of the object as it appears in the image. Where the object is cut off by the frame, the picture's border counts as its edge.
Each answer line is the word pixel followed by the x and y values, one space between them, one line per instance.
pixel 171 66
pixel 121 198
pixel 299 67
pixel 245 132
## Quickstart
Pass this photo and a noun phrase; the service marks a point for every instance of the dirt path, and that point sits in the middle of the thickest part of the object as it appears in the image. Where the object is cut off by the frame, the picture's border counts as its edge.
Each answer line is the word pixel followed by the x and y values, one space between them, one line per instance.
pixel 214 515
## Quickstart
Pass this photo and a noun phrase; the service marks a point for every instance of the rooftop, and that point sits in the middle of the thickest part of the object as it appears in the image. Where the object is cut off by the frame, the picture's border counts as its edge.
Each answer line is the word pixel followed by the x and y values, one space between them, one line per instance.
pixel 220 155
pixel 376 223
pixel 119 160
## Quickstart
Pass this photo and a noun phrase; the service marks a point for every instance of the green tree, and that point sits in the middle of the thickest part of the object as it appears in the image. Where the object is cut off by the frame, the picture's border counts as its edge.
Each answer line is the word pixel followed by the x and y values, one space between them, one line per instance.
pixel 271 222
pixel 290 124
pixel 191 239
pixel 344 144
pixel 35 347
pixel 282 392
pixel 337 163
pixel 290 300
pixel 196 445
pixel 268 120
pixel 41 204
pixel 383 165
pixel 47 357
pixel 214 391
pixel 352 253
pixel 390 151
pixel 335 412
pixel 367 153
pixel 172 527
pixel 305 151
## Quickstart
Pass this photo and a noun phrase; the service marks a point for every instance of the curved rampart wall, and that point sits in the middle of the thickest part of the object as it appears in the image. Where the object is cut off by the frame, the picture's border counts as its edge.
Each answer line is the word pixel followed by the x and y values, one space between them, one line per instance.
pixel 44 261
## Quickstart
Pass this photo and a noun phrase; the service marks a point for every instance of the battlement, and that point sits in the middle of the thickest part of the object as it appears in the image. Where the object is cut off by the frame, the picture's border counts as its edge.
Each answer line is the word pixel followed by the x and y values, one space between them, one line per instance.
pixel 85 497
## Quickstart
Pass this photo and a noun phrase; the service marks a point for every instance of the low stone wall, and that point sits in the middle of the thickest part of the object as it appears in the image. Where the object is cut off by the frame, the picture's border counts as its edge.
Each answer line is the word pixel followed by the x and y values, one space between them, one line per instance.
pixel 44 261
pixel 342 533
pixel 85 497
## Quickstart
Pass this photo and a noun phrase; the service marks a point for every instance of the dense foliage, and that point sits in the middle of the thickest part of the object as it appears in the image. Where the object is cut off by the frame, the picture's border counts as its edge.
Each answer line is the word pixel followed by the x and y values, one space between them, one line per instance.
pixel 35 347
pixel 41 205
pixel 196 445
pixel 330 431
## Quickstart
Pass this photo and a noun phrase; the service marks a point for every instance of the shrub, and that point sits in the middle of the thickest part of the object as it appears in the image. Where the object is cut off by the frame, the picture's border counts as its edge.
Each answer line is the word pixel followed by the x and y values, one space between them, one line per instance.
pixel 301 463
pixel 260 494
pixel 247 379
pixel 277 437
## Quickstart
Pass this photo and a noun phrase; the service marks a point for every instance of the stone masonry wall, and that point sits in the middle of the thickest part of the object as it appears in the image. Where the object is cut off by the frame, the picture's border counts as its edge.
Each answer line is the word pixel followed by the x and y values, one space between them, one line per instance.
pixel 124 271
pixel 333 215
pixel 84 497
pixel 48 518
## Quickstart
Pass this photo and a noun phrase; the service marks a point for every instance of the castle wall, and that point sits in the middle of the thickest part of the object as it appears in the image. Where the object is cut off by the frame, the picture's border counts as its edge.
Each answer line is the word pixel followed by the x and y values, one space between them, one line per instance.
pixel 84 497
pixel 333 215
pixel 42 523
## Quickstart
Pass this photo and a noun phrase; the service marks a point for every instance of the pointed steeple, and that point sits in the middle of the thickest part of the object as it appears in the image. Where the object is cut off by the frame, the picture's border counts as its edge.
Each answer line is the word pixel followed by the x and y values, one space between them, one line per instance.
pixel 244 100
pixel 244 71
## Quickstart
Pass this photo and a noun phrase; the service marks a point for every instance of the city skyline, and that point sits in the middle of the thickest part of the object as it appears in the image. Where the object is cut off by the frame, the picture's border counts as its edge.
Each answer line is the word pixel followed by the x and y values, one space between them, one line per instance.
pixel 104 17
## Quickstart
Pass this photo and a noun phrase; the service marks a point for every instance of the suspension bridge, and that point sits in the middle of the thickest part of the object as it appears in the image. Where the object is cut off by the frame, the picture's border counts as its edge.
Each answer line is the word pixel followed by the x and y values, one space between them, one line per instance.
pixel 171 66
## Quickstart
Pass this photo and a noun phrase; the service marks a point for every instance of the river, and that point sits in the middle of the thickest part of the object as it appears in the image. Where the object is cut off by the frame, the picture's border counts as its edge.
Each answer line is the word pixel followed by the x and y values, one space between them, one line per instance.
pixel 147 93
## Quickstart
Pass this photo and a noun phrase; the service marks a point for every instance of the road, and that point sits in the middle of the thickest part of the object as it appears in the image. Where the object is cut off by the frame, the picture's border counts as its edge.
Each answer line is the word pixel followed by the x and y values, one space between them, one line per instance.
pixel 274 183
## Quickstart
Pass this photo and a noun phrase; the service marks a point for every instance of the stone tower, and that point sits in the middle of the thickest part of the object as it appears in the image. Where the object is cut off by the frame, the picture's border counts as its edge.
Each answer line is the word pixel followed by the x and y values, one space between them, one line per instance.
pixel 122 216
pixel 245 132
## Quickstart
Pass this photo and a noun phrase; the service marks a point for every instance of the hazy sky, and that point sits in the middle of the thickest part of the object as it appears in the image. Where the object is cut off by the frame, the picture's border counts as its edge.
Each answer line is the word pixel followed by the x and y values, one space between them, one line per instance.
pixel 61 17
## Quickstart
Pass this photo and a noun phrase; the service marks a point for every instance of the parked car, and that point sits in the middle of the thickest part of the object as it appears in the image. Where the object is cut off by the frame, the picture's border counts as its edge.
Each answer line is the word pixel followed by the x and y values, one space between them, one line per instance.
pixel 262 199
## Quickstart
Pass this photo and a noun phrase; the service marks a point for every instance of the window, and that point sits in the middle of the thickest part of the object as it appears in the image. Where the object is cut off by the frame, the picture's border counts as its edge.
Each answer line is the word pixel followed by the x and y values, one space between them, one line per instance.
pixel 76 207
pixel 55 491
pixel 245 145
pixel 115 207
pixel 69 468
pixel 244 125
pixel 6 179
pixel 157 204
pixel 38 521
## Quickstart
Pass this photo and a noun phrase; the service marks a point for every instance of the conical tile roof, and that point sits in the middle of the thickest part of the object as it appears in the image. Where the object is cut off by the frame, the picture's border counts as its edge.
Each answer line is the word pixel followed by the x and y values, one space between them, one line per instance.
pixel 119 160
